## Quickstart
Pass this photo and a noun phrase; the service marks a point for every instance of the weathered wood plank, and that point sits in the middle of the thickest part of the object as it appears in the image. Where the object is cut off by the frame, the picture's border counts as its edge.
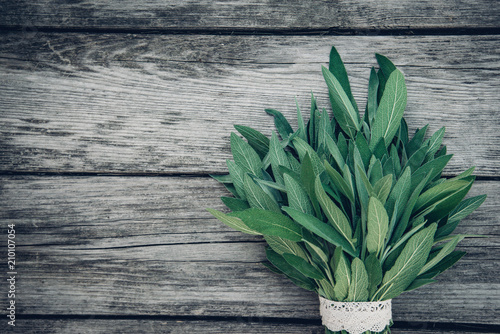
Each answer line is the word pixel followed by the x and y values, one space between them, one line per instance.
pixel 106 212
pixel 111 284
pixel 230 15
pixel 146 246
pixel 146 282
pixel 166 104
pixel 172 326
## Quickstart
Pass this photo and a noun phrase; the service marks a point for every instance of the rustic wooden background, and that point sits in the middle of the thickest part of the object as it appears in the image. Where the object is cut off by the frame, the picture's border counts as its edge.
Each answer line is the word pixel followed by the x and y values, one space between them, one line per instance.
pixel 115 112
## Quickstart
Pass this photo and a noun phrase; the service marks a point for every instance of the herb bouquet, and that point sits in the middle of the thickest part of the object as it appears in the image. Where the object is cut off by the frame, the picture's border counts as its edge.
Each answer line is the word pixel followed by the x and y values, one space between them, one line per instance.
pixel 351 207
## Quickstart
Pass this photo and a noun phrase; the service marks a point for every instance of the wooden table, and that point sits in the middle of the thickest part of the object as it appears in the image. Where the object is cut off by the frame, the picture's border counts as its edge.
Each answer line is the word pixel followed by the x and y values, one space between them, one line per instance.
pixel 114 113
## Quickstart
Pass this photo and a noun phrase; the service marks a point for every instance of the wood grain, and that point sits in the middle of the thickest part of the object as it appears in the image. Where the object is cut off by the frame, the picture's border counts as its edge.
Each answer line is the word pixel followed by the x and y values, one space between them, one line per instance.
pixel 146 246
pixel 119 103
pixel 250 15
pixel 242 325
pixel 113 212
pixel 137 252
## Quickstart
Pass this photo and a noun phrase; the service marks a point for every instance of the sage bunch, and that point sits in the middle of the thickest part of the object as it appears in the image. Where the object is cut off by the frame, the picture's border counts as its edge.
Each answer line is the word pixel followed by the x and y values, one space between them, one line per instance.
pixel 351 206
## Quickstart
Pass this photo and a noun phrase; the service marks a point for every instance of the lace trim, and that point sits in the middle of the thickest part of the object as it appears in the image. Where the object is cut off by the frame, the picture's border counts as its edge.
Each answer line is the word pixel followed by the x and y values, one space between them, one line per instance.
pixel 355 317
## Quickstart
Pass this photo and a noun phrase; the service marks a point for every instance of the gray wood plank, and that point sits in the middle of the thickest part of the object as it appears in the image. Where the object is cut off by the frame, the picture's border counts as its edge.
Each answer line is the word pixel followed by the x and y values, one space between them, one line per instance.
pixel 251 15
pixel 146 246
pixel 116 103
pixel 172 326
pixel 146 282
pixel 106 212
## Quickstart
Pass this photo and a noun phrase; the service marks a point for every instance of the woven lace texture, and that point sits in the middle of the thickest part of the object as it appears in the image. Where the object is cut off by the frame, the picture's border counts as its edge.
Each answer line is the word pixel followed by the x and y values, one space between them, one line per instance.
pixel 355 317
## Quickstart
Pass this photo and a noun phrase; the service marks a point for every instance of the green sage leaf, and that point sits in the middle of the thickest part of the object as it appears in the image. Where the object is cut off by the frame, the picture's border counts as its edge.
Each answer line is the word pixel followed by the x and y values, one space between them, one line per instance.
pixel 407 265
pixel 270 223
pixel 399 194
pixel 405 218
pixel 382 188
pixel 444 264
pixel 304 149
pixel 343 109
pixel 386 66
pixel 257 197
pixel 342 274
pixel 364 150
pixel 466 207
pixel 444 197
pixel 317 251
pixel 297 196
pixel 222 178
pixel 339 182
pixel 377 225
pixel 461 211
pixel 415 161
pixel 337 68
pixel 245 156
pixel 365 181
pixel 282 125
pixel 390 110
pixel 233 222
pixel 278 158
pixel 435 143
pixel 417 140
pixel 374 270
pixel 321 229
pixel 419 282
pixel 443 252
pixel 257 140
pixel 304 267
pixel 358 290
pixel 324 130
pixel 280 263
pixel 294 163
pixel 436 166
pixel 335 216
pixel 379 150
pixel 235 204
pixel 271 186
pixel 300 121
pixel 375 171
pixel 272 268
pixel 372 104
pixel 335 152
pixel 281 245
pixel 463 175
pixel 238 177
pixel 307 180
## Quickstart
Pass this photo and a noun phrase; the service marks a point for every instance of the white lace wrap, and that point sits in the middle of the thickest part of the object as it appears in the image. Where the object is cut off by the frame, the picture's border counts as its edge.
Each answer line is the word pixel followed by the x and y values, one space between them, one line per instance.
pixel 355 317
